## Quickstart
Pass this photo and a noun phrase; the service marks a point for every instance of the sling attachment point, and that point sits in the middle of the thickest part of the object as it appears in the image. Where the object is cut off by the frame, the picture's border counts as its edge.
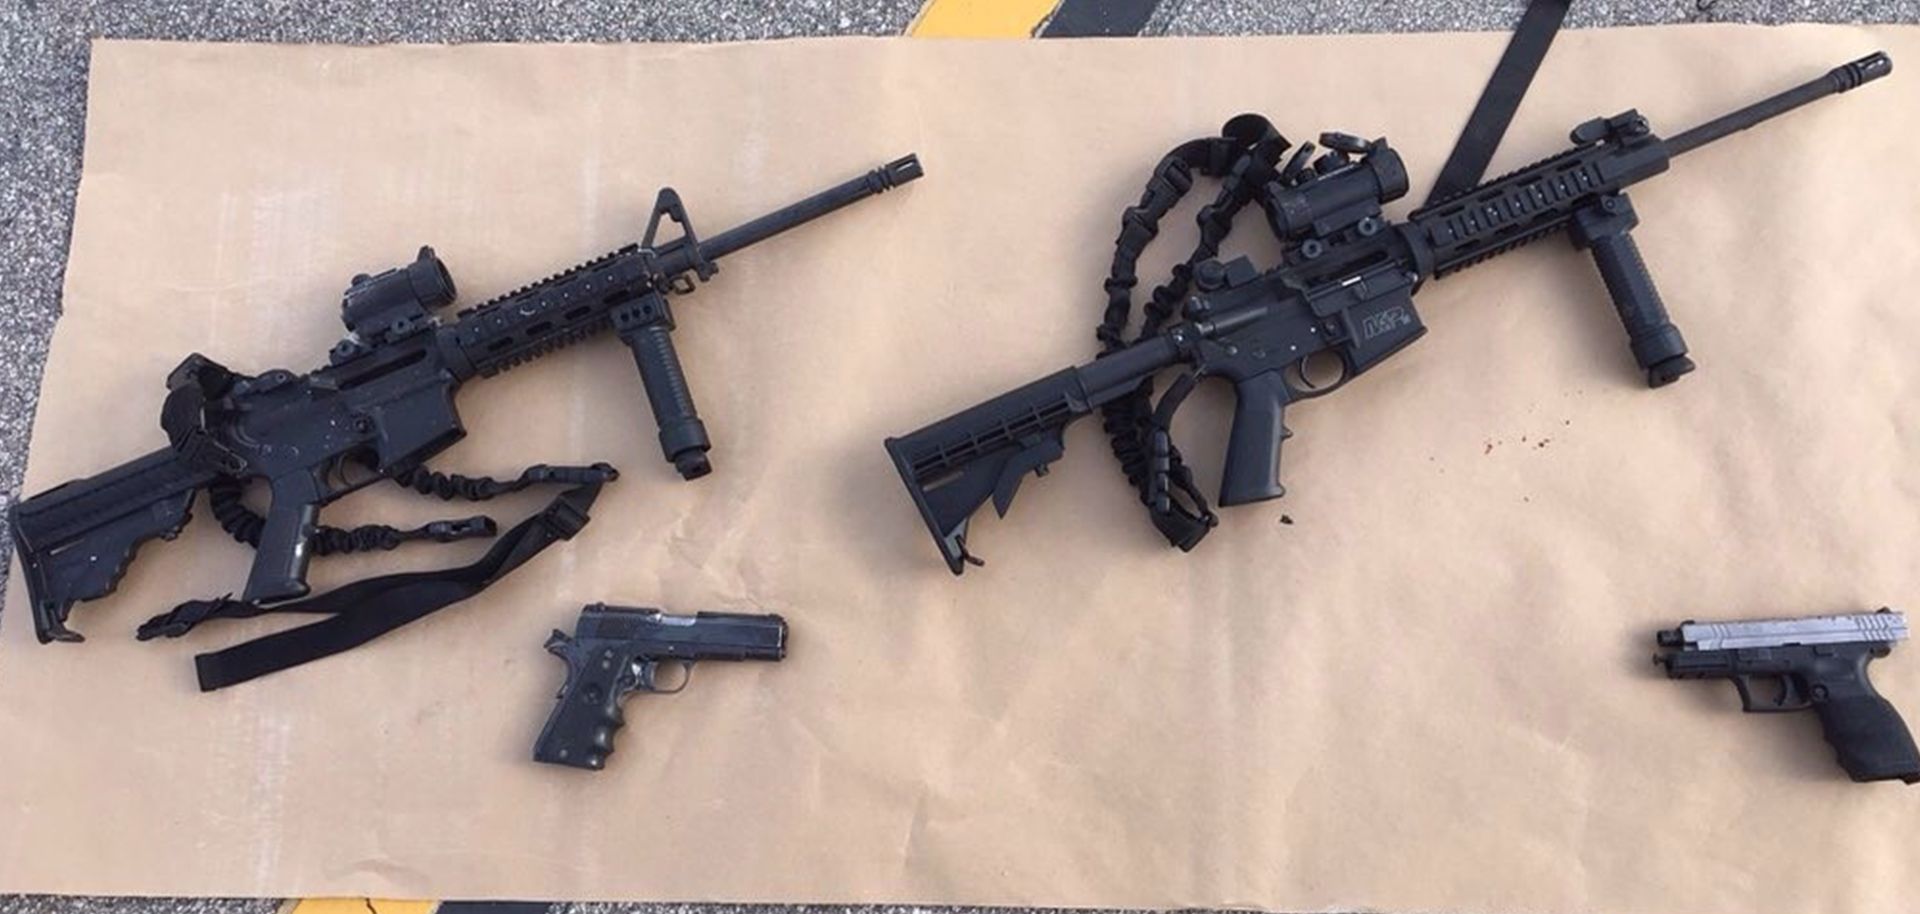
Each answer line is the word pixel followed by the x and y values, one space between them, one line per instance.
pixel 1243 158
pixel 361 611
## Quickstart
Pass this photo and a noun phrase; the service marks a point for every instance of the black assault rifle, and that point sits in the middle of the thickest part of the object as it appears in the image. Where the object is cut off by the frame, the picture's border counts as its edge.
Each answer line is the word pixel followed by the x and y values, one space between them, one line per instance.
pixel 379 409
pixel 1345 286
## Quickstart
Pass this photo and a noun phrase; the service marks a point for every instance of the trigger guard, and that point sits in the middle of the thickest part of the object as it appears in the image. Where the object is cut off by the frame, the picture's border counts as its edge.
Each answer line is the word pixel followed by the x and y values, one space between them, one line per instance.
pixel 649 680
pixel 1294 375
pixel 1791 697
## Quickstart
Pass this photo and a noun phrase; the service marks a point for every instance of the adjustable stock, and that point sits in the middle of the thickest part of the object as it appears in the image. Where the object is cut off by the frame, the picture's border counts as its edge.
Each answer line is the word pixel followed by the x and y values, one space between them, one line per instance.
pixel 75 541
pixel 952 467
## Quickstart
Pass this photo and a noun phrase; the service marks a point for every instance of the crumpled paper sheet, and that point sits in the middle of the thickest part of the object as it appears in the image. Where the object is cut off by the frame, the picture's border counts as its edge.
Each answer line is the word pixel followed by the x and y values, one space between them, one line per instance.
pixel 1430 691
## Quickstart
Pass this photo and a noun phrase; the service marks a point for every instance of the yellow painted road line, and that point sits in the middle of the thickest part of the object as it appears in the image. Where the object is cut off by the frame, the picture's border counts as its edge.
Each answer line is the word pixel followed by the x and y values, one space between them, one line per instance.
pixel 358 906
pixel 981 18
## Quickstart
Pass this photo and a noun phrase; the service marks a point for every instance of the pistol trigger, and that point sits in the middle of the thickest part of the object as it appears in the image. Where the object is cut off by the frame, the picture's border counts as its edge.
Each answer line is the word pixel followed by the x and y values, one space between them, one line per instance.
pixel 647 676
pixel 1792 697
pixel 1787 696
pixel 686 676
pixel 1744 685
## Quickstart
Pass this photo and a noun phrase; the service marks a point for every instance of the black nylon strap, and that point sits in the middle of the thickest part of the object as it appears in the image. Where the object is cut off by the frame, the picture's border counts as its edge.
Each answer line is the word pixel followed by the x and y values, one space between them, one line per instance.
pixel 364 610
pixel 1501 98
pixel 1242 157
pixel 245 525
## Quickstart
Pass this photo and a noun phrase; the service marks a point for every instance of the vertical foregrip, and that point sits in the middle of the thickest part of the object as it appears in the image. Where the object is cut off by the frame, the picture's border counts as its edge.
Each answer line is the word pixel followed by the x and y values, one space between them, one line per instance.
pixel 1656 343
pixel 683 437
pixel 1604 227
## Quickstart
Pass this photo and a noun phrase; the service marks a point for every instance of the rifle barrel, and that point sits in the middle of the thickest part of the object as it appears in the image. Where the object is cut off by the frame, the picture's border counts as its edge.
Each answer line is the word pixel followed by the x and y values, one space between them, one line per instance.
pixel 1838 80
pixel 888 176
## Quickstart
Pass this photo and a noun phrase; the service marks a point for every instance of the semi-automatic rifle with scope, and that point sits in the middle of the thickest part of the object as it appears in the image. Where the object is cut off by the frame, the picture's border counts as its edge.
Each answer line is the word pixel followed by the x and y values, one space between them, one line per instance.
pixel 1344 287
pixel 379 409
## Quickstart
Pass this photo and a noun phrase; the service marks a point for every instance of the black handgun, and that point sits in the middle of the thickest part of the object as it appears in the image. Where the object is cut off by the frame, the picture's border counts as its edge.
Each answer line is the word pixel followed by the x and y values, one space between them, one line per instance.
pixel 617 650
pixel 1818 663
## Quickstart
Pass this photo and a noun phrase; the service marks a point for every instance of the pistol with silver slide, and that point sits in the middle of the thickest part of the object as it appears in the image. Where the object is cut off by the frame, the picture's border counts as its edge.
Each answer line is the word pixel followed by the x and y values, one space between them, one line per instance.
pixel 1818 663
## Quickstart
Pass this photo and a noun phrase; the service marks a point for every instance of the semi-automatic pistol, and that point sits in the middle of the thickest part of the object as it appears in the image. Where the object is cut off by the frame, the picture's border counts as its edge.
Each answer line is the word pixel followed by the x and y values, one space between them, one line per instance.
pixel 616 651
pixel 1817 663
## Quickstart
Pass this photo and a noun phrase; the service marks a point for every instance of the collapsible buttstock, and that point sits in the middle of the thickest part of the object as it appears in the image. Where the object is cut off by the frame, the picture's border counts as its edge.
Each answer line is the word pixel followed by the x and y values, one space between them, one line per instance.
pixel 75 541
pixel 954 466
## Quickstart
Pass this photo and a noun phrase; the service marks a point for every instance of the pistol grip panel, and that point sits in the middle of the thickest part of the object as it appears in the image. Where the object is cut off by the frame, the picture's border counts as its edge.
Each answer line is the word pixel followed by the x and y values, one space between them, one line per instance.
pixel 1252 470
pixel 580 732
pixel 1869 738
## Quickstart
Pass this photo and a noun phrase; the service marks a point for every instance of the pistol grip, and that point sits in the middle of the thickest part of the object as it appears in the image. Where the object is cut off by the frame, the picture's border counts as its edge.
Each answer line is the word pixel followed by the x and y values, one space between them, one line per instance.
pixel 1252 470
pixel 279 570
pixel 1869 738
pixel 579 732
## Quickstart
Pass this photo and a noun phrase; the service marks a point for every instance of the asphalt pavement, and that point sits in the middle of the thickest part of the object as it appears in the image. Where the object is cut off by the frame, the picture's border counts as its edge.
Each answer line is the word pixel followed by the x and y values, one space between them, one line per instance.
pixel 43 73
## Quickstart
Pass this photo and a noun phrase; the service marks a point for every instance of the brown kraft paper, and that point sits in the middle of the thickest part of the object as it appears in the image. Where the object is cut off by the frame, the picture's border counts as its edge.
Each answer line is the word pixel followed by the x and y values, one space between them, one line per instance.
pixel 1419 681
